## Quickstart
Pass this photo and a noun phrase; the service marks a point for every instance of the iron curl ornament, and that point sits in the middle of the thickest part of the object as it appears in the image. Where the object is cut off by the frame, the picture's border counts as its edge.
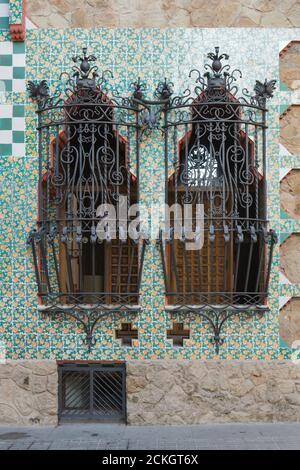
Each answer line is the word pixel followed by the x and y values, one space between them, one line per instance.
pixel 215 151
pixel 216 157
pixel 86 266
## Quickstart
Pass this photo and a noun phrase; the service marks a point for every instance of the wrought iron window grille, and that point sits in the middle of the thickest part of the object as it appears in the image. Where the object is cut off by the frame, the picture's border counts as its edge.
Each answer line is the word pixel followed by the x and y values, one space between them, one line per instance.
pixel 89 139
pixel 215 154
pixel 92 391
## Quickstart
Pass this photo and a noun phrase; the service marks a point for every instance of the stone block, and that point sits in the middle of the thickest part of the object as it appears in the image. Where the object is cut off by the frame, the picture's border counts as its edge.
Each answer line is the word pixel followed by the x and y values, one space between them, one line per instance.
pixel 289 125
pixel 289 321
pixel 290 258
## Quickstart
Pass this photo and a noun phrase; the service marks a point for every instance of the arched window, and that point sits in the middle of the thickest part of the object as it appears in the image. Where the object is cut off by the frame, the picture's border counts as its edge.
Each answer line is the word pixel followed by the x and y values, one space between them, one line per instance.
pixel 88 179
pixel 215 162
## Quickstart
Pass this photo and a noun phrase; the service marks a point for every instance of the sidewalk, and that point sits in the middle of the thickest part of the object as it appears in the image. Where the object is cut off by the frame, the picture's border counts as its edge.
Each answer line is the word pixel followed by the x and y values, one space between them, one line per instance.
pixel 117 436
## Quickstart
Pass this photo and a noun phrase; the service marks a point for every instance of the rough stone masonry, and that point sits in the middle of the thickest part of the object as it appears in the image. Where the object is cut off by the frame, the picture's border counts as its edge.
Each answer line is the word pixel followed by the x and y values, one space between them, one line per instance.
pixel 166 392
pixel 164 13
pixel 28 392
pixel 194 392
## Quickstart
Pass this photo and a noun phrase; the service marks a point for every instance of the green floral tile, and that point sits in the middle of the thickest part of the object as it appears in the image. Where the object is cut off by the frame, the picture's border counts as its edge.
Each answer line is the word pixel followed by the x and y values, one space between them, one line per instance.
pixel 152 55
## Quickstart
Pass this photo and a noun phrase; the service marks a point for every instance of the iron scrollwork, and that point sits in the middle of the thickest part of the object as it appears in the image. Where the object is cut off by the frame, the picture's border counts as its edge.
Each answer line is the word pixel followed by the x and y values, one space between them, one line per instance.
pixel 87 316
pixel 216 316
pixel 152 109
pixel 215 155
pixel 38 91
pixel 86 267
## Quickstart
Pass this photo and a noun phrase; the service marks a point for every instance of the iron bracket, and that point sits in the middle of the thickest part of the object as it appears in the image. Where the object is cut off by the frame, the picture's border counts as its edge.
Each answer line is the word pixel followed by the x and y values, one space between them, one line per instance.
pixel 218 315
pixel 87 316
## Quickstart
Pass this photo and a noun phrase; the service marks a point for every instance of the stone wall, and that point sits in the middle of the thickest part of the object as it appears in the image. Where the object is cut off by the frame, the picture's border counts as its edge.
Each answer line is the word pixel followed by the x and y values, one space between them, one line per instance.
pixel 192 392
pixel 166 392
pixel 28 392
pixel 164 13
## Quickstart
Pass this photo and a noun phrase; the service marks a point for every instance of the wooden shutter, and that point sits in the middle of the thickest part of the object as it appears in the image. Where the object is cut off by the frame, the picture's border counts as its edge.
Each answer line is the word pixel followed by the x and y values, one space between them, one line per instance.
pixel 204 270
pixel 122 272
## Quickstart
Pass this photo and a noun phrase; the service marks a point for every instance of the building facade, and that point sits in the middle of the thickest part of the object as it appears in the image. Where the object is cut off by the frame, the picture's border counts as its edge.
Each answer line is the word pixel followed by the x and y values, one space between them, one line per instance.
pixel 145 330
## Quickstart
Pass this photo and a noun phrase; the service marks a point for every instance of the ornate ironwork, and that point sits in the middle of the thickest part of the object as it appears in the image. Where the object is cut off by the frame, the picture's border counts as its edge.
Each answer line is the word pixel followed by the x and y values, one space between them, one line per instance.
pixel 87 315
pixel 38 91
pixel 151 112
pixel 217 316
pixel 86 266
pixel 215 156
pixel 264 90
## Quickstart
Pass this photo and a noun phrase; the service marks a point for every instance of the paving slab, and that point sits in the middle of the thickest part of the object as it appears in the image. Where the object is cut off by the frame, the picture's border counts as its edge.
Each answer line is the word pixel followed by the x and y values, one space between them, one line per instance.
pixel 84 436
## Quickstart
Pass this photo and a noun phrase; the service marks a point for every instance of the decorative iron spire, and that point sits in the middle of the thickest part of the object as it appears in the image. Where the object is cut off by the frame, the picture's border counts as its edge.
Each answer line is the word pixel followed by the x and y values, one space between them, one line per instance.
pixel 138 89
pixel 164 89
pixel 85 73
pixel 217 76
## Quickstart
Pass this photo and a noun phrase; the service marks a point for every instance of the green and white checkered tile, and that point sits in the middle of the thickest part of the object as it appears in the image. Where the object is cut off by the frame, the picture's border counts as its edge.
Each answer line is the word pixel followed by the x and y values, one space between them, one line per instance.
pixel 12 130
pixel 12 66
pixel 12 85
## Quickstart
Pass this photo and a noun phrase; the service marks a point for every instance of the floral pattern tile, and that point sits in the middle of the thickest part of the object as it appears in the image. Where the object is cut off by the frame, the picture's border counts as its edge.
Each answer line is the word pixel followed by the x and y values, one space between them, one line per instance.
pixel 153 55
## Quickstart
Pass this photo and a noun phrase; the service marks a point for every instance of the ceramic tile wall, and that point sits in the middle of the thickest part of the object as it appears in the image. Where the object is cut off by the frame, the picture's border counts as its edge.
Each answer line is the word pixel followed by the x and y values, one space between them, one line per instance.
pixel 151 54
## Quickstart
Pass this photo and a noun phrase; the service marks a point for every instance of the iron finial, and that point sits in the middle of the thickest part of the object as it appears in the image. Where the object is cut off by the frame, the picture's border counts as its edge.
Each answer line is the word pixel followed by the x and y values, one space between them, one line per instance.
pixel 218 77
pixel 85 73
pixel 164 89
pixel 264 90
pixel 138 88
pixel 38 91
pixel 216 61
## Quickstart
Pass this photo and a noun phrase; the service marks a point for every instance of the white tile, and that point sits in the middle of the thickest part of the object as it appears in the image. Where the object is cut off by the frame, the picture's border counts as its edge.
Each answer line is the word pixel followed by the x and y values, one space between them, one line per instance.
pixel 283 279
pixel 283 301
pixel 4 9
pixel 6 111
pixel 2 91
pixel 18 85
pixel 283 150
pixel 6 73
pixel 19 60
pixel 18 124
pixel 18 150
pixel 283 172
pixel 30 24
pixel 6 47
pixel 5 137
